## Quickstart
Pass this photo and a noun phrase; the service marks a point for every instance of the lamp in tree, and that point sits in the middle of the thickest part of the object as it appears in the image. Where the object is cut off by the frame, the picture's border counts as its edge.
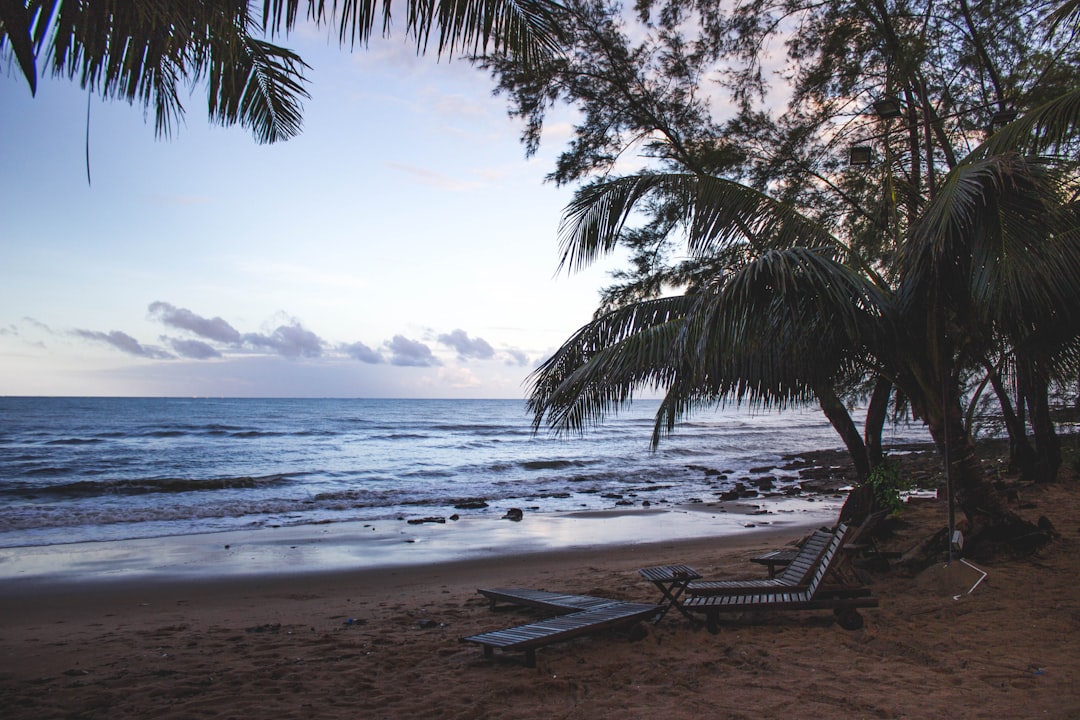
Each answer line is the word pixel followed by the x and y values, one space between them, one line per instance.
pixel 1002 117
pixel 860 155
pixel 888 107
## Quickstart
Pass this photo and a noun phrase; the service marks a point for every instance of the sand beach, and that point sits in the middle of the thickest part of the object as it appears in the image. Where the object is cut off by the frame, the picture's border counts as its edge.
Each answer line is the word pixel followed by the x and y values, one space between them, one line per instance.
pixel 384 642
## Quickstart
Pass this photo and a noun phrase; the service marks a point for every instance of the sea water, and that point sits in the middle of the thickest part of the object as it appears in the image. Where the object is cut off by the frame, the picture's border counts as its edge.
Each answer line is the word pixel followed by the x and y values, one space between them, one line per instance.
pixel 87 469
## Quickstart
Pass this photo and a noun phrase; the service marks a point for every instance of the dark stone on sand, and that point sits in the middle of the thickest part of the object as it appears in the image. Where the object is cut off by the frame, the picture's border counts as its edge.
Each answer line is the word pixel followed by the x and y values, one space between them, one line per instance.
pixel 471 505
pixel 427 624
pixel 421 521
pixel 514 514
pixel 455 517
pixel 765 482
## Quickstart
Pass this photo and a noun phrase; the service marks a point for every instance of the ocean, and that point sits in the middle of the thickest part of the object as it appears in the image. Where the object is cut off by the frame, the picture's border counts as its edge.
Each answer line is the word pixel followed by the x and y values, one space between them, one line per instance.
pixel 93 469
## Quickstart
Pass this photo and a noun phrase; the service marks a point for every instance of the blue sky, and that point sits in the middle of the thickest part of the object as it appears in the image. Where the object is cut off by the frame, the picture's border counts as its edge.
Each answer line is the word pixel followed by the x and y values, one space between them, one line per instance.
pixel 402 246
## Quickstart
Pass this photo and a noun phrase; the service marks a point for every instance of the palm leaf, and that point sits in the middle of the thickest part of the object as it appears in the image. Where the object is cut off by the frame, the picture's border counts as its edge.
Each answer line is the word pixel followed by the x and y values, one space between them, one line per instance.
pixel 526 28
pixel 259 89
pixel 15 21
pixel 767 333
pixel 999 250
pixel 1049 128
pixel 717 213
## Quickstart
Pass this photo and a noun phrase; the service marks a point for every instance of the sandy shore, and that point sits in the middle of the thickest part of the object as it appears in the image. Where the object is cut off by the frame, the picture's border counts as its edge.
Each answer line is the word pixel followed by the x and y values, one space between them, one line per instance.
pixel 350 643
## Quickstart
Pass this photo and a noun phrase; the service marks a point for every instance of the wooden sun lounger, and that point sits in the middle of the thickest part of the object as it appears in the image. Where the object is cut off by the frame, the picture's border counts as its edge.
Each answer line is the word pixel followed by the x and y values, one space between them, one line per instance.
pixel 530 637
pixel 796 575
pixel 816 595
pixel 558 602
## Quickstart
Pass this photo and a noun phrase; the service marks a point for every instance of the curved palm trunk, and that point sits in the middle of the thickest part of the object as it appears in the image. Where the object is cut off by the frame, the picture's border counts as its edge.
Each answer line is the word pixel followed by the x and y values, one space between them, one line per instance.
pixel 860 501
pixel 876 412
pixel 840 419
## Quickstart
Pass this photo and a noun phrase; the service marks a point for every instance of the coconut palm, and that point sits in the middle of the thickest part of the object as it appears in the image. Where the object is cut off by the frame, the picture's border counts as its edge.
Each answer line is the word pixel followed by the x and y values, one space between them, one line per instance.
pixel 143 52
pixel 996 256
pixel 781 319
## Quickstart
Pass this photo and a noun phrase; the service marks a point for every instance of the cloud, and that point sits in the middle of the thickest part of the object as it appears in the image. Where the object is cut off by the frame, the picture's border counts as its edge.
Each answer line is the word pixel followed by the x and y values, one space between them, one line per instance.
pixel 38 324
pixel 124 343
pixel 467 347
pixel 288 340
pixel 410 353
pixel 360 351
pixel 515 357
pixel 194 349
pixel 214 329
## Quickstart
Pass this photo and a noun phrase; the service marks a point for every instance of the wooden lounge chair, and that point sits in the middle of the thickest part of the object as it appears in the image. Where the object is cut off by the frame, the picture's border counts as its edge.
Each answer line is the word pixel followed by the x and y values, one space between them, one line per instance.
pixel 530 637
pixel 797 574
pixel 843 601
pixel 557 602
pixel 862 547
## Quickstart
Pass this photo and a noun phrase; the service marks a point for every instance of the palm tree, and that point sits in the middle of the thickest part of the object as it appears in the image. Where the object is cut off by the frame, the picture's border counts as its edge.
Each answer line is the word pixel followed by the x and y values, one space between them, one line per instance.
pixel 785 316
pixel 793 315
pixel 143 52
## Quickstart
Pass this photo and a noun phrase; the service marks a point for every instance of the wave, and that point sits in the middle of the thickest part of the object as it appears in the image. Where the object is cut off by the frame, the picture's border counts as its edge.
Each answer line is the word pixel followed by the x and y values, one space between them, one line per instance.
pixel 555 464
pixel 140 486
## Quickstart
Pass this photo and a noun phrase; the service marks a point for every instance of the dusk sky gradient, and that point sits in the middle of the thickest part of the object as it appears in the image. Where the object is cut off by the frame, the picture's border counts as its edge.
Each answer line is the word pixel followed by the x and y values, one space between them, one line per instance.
pixel 402 246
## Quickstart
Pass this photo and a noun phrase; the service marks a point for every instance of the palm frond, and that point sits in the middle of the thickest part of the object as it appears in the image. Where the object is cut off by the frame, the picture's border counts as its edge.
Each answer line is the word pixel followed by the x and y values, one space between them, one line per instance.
pixel 1050 128
pixel 767 333
pixel 717 213
pixel 142 52
pixel 527 29
pixel 1068 13
pixel 16 19
pixel 258 87
pixel 997 243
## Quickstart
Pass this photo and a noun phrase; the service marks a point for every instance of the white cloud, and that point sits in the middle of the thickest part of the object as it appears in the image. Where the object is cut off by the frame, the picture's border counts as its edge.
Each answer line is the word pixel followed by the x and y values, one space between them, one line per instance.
pixel 410 353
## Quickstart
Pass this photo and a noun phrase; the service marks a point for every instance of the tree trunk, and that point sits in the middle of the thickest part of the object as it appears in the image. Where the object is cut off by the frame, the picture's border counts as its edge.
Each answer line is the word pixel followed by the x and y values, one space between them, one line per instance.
pixel 860 501
pixel 840 419
pixel 1047 443
pixel 983 506
pixel 1021 454
pixel 876 412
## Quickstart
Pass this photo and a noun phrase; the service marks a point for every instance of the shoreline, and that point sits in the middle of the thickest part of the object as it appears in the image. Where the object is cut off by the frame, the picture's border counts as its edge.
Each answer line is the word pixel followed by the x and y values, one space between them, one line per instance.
pixel 364 546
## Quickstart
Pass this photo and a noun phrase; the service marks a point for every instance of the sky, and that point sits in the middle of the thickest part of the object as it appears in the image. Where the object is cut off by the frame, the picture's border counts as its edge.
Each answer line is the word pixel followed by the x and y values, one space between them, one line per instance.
pixel 401 246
